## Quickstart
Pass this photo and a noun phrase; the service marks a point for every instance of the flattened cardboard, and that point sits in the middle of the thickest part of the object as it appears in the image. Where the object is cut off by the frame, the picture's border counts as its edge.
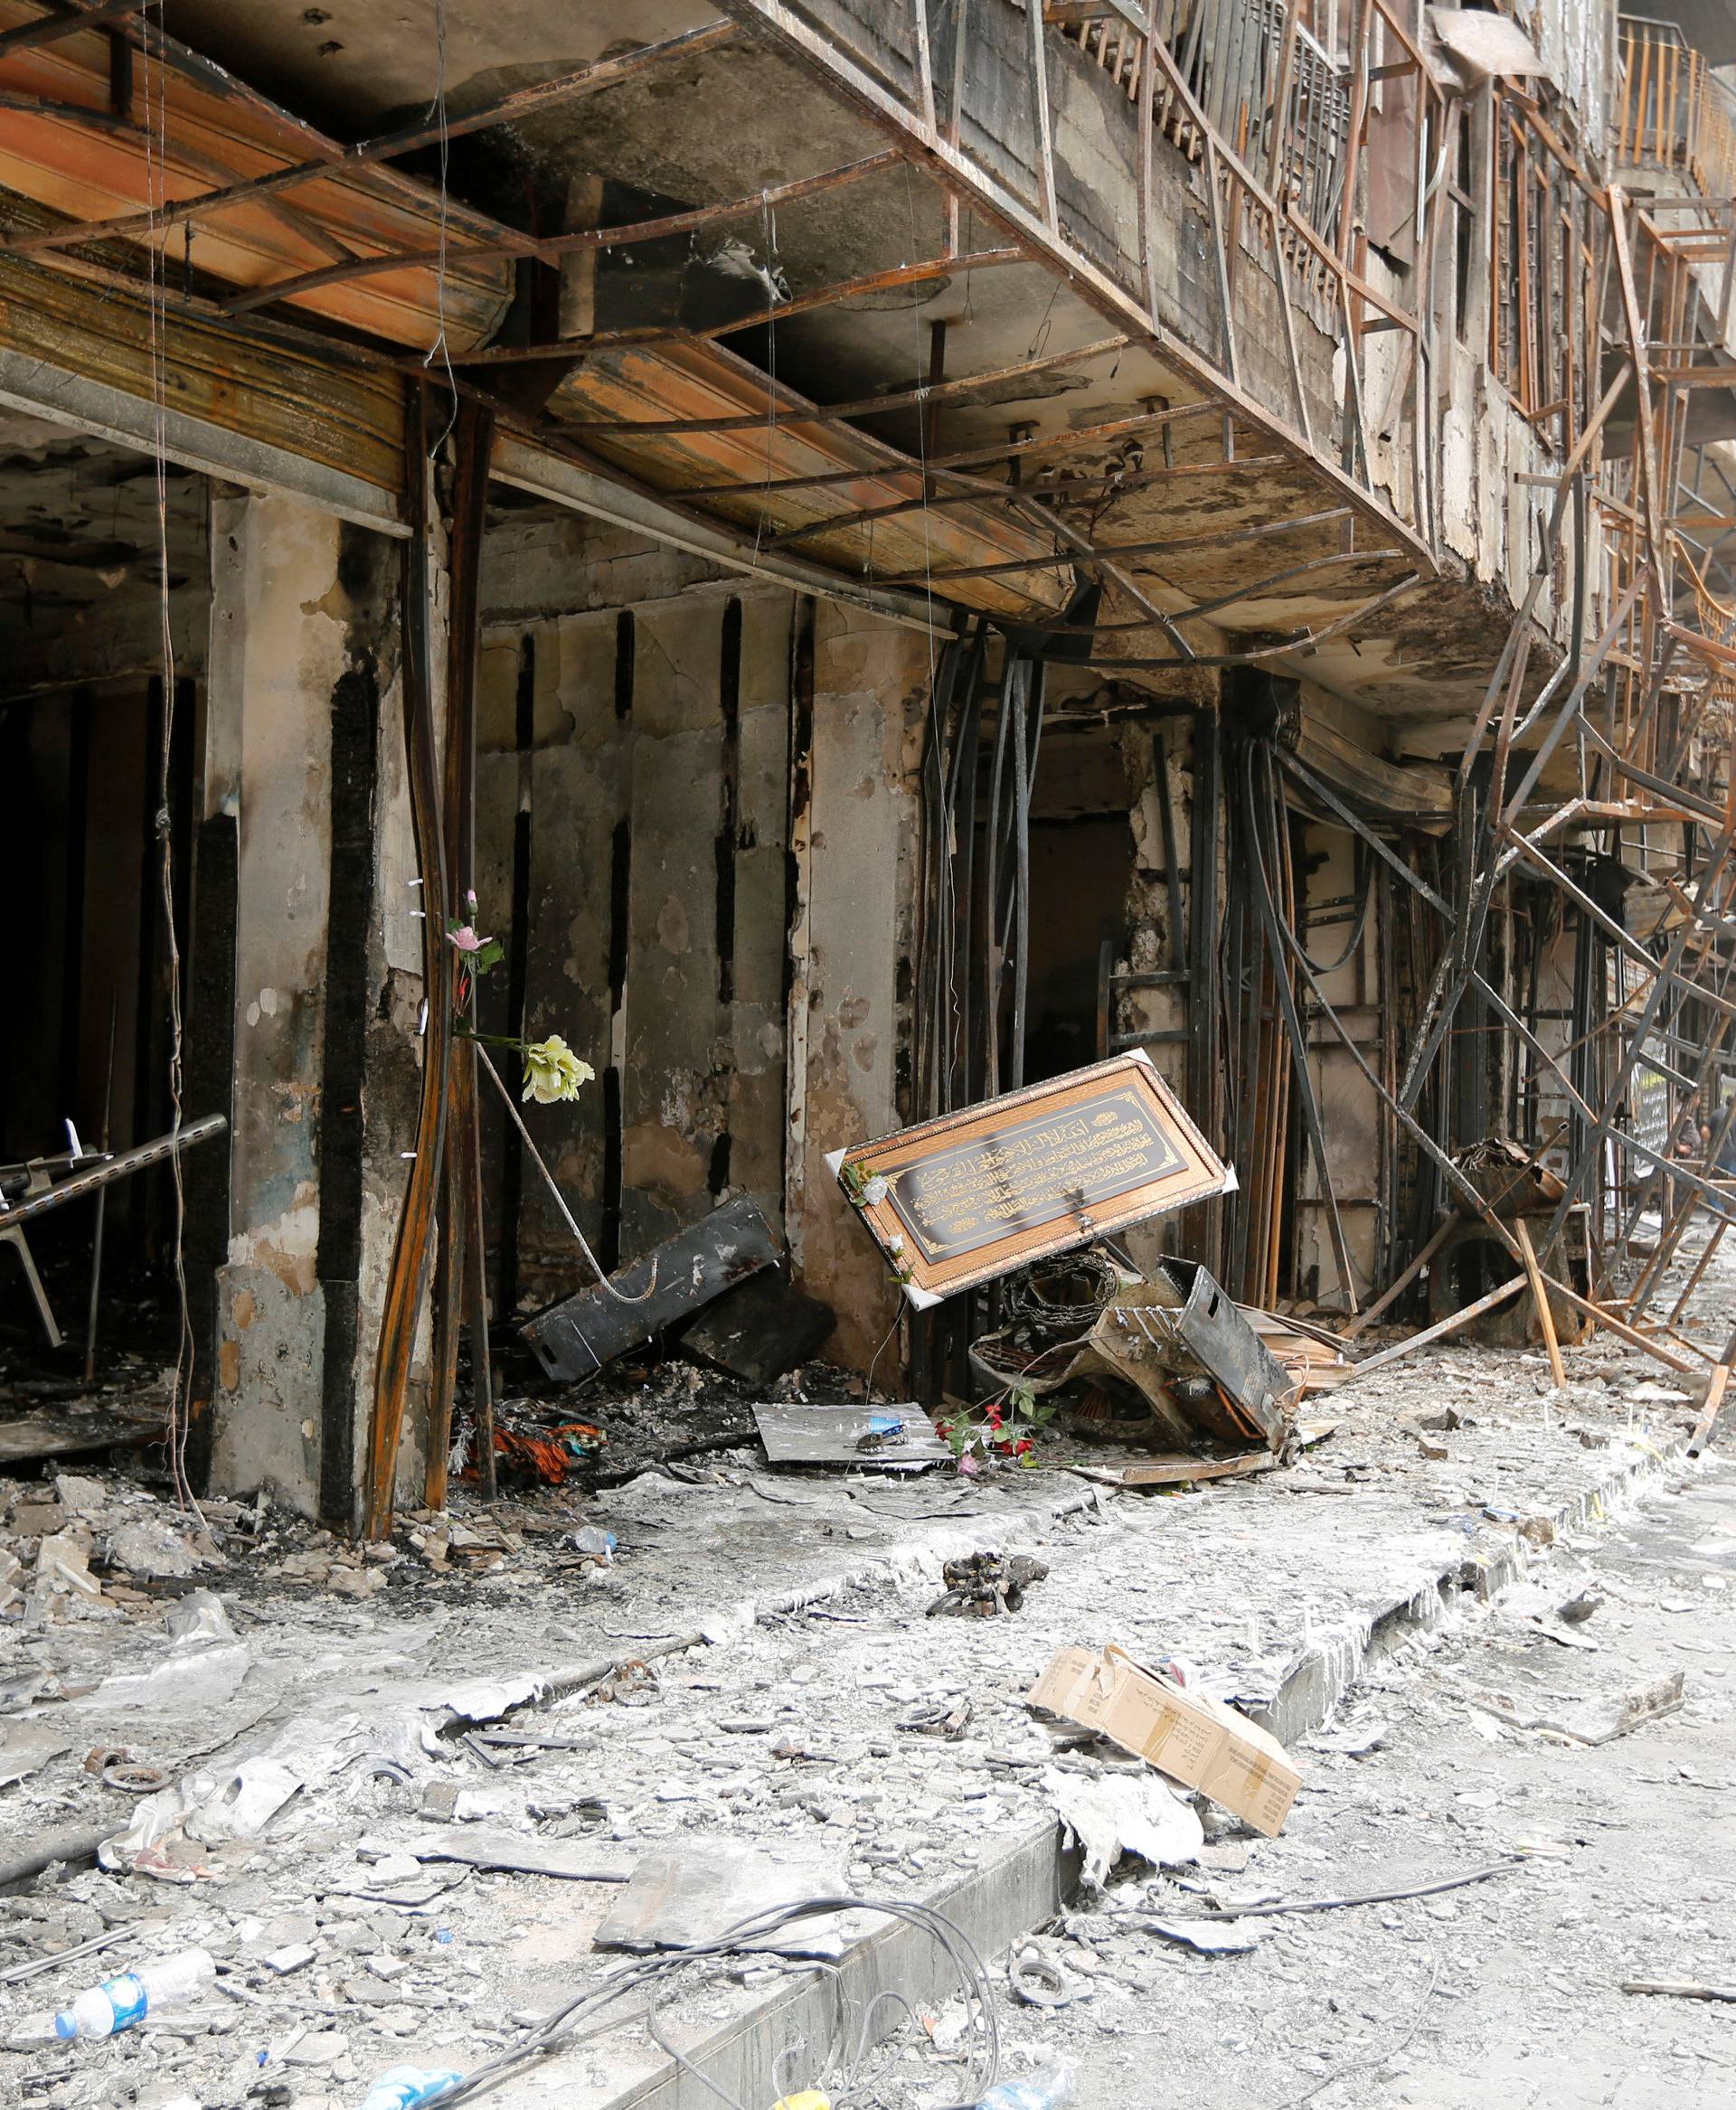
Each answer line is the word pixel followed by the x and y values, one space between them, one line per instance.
pixel 1191 1737
pixel 963 1199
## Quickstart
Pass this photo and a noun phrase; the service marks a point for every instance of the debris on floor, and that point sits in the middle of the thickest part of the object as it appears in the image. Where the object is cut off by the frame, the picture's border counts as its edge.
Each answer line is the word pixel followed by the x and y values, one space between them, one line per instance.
pixel 983 1584
pixel 761 1329
pixel 1174 1726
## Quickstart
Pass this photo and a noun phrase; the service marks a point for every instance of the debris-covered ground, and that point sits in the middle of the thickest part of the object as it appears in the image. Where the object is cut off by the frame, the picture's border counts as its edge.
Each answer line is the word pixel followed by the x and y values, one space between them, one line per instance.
pixel 1618 1867
pixel 395 1791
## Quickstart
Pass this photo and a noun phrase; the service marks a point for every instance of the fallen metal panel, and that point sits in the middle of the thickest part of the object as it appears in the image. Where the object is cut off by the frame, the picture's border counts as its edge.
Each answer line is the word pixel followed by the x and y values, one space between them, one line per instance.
pixel 1211 1325
pixel 580 1334
pixel 800 1434
pixel 761 1330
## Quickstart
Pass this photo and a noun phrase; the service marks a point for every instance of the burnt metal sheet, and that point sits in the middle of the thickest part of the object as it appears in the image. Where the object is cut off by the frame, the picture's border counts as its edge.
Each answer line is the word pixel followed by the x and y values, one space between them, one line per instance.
pixel 1182 1341
pixel 1211 1326
pixel 761 1329
pixel 800 1434
pixel 697 379
pixel 971 1195
pixel 580 1334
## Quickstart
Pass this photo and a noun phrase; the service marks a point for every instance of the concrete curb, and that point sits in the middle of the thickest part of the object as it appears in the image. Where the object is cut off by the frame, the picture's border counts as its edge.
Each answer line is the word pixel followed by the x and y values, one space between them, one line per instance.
pixel 1320 1677
pixel 1030 1881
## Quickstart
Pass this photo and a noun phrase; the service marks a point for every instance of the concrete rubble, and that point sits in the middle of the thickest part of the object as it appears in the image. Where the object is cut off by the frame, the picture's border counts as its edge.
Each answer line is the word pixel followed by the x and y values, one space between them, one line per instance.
pixel 403 1784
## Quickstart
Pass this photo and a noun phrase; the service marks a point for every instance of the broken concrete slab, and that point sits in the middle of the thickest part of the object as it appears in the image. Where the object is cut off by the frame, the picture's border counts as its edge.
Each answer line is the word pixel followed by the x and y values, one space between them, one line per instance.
pixel 26 1746
pixel 684 1898
pixel 579 1335
pixel 573 1862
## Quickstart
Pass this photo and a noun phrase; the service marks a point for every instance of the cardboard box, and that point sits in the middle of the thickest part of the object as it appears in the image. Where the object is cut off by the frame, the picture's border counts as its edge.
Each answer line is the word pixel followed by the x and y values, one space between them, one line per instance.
pixel 1191 1737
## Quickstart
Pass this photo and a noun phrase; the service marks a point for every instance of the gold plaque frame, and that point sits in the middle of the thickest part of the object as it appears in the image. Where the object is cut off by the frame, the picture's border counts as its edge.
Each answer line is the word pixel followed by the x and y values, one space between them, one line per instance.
pixel 961 1198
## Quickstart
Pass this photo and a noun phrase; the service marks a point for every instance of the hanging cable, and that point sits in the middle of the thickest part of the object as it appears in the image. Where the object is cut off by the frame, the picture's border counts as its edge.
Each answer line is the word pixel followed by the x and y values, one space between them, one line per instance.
pixel 155 132
pixel 1362 859
pixel 437 114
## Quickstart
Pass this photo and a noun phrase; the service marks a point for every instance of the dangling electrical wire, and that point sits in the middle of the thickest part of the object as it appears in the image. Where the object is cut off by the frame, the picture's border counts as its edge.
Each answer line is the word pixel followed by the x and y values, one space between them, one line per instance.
pixel 437 111
pixel 769 239
pixel 157 144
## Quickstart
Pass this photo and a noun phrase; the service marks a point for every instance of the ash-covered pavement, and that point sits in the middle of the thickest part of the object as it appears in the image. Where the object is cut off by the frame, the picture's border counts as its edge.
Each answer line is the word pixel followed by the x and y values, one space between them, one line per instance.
pixel 323 1731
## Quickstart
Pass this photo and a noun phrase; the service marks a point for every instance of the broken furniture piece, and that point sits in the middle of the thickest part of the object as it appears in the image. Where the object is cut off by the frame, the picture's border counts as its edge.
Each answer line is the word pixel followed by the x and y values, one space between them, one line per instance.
pixel 576 1337
pixel 974 1194
pixel 32 1189
pixel 1469 1260
pixel 1176 1340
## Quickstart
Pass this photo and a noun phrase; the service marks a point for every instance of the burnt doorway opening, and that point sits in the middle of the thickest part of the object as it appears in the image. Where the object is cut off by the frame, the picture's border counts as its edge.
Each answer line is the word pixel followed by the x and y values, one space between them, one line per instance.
pixel 1081 873
pixel 85 720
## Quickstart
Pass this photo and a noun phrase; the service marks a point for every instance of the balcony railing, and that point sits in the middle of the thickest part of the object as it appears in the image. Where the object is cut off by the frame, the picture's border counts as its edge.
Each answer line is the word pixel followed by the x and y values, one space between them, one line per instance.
pixel 1271 93
pixel 1671 112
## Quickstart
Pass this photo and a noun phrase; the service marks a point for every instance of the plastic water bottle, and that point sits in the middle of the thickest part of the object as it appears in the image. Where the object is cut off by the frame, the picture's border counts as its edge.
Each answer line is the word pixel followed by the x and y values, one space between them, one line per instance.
pixel 1047 2089
pixel 402 2088
pixel 119 2003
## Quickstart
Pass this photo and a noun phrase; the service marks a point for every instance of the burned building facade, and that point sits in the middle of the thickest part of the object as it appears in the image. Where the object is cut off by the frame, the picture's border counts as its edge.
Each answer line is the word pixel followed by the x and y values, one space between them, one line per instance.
pixel 870 556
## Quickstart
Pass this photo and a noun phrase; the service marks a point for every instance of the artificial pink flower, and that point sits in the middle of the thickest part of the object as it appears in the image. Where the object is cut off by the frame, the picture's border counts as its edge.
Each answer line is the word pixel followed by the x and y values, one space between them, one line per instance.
pixel 466 939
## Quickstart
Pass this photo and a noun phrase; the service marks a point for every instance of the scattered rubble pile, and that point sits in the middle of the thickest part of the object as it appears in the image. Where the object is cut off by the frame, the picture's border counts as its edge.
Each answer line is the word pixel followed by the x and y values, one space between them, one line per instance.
pixel 286 1751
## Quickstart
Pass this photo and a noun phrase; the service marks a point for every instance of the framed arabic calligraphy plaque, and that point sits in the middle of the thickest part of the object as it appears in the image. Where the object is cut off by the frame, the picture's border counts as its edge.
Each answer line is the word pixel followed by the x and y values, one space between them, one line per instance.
pixel 963 1199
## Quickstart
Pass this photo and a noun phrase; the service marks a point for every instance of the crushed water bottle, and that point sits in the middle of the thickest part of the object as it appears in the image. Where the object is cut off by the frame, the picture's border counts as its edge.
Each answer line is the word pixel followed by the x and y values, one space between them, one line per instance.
pixel 1049 2088
pixel 117 2003
pixel 404 2087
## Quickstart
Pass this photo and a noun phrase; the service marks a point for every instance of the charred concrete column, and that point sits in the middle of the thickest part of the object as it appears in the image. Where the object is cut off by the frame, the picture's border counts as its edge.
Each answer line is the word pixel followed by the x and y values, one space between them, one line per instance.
pixel 305 751
pixel 853 833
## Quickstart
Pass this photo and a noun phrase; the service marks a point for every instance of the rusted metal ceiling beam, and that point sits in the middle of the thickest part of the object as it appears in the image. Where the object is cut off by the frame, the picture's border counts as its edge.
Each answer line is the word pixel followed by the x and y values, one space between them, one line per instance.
pixel 962 388
pixel 51 28
pixel 119 127
pixel 1142 480
pixel 1228 538
pixel 180 59
pixel 502 109
pixel 1005 451
pixel 1298 642
pixel 778 312
pixel 782 30
pixel 550 249
pixel 537 464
